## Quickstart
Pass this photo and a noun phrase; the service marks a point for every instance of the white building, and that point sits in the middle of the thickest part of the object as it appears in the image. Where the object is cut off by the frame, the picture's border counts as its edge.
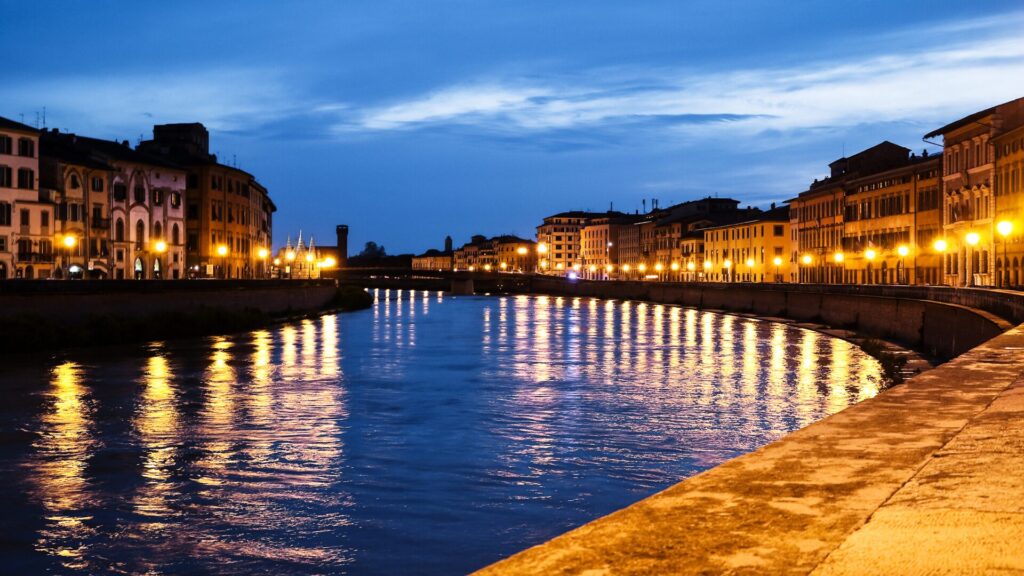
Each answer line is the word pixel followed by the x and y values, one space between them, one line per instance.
pixel 26 219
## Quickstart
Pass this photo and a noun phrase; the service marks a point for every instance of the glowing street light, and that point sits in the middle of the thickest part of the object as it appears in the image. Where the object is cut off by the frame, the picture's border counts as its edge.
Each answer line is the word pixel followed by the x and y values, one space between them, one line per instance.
pixel 870 254
pixel 642 268
pixel 487 267
pixel 690 266
pixel 289 255
pixel 70 241
pixel 807 259
pixel 609 268
pixel 521 250
pixel 263 253
pixel 504 265
pixel 972 238
pixel 839 257
pixel 902 250
pixel 658 267
pixel 940 245
pixel 727 264
pixel 222 250
pixel 625 267
pixel 542 248
pixel 707 264
pixel 1005 228
pixel 778 262
pixel 328 262
pixel 160 246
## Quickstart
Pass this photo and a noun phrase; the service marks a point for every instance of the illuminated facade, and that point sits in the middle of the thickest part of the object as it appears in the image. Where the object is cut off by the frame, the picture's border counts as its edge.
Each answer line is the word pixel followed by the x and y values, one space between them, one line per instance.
pixel 229 215
pixel 1009 192
pixel 756 250
pixel 969 202
pixel 558 240
pixel 26 217
pixel 433 260
pixel 78 184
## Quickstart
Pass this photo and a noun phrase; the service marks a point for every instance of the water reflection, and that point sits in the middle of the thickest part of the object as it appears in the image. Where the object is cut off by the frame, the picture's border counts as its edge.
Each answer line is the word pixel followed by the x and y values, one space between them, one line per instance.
pixel 431 434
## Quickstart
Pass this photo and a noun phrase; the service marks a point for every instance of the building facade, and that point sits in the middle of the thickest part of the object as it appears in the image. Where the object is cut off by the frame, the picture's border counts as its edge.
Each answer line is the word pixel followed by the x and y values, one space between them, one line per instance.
pixel 969 201
pixel 229 215
pixel 558 240
pixel 1009 193
pixel 26 216
pixel 756 250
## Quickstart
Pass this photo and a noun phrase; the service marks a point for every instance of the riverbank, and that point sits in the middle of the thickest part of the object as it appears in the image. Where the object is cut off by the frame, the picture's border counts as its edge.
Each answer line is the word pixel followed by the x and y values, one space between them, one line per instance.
pixel 923 478
pixel 36 319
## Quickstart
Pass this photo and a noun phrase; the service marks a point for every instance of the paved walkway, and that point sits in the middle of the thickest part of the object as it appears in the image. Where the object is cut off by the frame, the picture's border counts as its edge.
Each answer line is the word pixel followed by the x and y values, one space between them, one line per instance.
pixel 926 478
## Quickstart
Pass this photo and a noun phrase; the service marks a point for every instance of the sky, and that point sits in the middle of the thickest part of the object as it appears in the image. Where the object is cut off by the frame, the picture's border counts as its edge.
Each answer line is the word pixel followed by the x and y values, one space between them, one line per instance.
pixel 410 121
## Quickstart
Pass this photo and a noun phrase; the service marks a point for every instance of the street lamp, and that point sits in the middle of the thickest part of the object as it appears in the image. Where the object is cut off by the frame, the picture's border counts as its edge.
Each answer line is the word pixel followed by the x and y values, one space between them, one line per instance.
pixel 263 254
pixel 902 250
pixel 778 262
pixel 750 268
pixel 222 251
pixel 69 242
pixel 728 269
pixel 1005 228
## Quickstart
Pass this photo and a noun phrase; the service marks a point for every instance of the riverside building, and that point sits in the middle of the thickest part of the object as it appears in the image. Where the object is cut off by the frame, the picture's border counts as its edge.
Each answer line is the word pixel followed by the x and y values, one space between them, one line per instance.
pixel 558 240
pixel 754 250
pixel 26 217
pixel 77 182
pixel 970 206
pixel 229 215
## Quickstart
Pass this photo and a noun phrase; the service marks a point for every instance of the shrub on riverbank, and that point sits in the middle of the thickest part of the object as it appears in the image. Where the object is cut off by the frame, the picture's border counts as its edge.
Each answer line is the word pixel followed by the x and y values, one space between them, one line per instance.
pixel 348 298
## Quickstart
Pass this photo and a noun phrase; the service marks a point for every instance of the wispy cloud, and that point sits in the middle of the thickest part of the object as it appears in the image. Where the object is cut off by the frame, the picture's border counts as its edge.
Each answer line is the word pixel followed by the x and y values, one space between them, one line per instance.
pixel 892 85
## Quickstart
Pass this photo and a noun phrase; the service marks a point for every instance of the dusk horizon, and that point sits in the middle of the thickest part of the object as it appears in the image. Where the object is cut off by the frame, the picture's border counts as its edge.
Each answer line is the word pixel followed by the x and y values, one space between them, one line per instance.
pixel 410 124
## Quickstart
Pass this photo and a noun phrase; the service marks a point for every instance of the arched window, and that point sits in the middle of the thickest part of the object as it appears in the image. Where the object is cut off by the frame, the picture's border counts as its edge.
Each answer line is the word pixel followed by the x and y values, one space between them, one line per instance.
pixel 75 184
pixel 140 234
pixel 175 235
pixel 158 230
pixel 119 230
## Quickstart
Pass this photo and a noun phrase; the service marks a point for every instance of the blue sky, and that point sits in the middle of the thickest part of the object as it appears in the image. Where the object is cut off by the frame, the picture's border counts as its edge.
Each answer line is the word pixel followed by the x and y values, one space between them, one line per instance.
pixel 412 120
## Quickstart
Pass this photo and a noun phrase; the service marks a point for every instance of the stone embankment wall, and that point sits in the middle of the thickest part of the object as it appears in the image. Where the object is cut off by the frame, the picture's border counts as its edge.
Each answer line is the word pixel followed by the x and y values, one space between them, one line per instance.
pixel 941 329
pixel 70 302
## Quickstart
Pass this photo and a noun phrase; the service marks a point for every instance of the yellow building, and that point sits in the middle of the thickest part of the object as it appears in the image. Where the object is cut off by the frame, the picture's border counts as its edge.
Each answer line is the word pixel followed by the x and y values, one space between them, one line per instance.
pixel 26 216
pixel 891 222
pixel 756 250
pixel 1009 192
pixel 970 207
pixel 433 259
pixel 558 240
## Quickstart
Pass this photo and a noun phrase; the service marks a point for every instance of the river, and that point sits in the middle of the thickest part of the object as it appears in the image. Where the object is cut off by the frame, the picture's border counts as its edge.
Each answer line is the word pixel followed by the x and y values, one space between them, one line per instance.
pixel 430 434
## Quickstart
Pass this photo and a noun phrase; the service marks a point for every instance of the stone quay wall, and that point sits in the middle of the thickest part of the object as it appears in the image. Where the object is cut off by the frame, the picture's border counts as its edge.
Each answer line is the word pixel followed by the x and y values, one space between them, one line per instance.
pixel 70 302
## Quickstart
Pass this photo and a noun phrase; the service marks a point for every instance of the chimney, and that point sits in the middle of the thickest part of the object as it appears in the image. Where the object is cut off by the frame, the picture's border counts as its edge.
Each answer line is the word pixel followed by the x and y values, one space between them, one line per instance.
pixel 342 231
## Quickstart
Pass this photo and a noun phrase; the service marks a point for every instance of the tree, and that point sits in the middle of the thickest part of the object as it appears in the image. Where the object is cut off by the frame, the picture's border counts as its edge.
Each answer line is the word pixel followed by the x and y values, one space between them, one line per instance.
pixel 372 250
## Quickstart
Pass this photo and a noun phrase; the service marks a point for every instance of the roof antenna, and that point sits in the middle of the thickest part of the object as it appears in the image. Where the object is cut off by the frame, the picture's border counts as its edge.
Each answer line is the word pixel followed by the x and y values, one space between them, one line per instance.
pixel 44 117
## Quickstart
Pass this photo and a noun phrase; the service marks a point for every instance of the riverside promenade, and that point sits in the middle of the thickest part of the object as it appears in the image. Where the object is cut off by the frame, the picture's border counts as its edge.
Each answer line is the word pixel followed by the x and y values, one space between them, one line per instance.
pixel 925 478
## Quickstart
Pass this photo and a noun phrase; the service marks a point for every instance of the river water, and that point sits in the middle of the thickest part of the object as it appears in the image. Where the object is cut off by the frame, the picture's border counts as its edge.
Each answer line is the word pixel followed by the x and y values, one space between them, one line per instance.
pixel 430 434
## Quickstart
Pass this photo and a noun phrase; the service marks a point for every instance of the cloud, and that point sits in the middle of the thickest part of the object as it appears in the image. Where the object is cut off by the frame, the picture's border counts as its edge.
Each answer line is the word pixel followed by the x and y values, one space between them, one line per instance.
pixel 937 81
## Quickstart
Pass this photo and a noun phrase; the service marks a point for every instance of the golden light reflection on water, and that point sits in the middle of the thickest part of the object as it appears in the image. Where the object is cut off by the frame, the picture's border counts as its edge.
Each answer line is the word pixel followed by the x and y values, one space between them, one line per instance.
pixel 64 444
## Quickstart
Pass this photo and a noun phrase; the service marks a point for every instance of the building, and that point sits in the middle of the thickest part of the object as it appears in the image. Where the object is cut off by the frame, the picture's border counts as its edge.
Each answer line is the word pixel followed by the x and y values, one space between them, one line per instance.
pixel 558 240
pixel 755 250
pixel 891 220
pixel 474 255
pixel 229 215
pixel 78 184
pixel 147 197
pixel 1009 193
pixel 433 259
pixel 820 209
pixel 969 203
pixel 600 242
pixel 505 253
pixel 306 260
pixel 26 216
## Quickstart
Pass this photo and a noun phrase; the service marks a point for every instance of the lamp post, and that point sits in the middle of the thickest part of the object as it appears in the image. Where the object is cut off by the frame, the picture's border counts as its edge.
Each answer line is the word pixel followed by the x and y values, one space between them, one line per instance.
pixel 840 259
pixel 869 255
pixel 750 268
pixel 542 249
pixel 160 247
pixel 940 246
pixel 222 251
pixel 309 265
pixel 972 239
pixel 69 243
pixel 728 270
pixel 902 250
pixel 690 267
pixel 263 253
pixel 778 262
pixel 289 257
pixel 807 260
pixel 1005 228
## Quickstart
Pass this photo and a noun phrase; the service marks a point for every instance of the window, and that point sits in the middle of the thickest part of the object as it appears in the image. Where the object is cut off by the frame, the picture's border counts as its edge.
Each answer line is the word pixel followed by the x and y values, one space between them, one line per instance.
pixel 5 176
pixel 158 197
pixel 192 181
pixel 5 214
pixel 3 246
pixel 44 219
pixel 158 230
pixel 26 147
pixel 97 184
pixel 120 192
pixel 192 212
pixel 5 144
pixel 175 199
pixel 175 235
pixel 74 212
pixel 75 184
pixel 119 230
pixel 24 217
pixel 140 194
pixel 26 178
pixel 140 233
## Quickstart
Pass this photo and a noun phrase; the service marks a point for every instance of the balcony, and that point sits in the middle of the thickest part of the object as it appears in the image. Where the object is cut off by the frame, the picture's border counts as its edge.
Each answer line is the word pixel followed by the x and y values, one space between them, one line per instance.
pixel 35 257
pixel 101 223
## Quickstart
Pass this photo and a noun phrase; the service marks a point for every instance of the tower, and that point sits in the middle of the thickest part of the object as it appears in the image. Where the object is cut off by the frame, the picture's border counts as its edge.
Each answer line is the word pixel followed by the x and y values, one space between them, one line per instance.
pixel 342 231
pixel 447 243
